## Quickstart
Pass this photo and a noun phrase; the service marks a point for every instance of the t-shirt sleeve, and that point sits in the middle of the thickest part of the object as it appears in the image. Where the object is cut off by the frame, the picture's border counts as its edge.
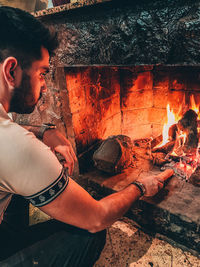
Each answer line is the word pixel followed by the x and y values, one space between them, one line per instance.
pixel 49 193
pixel 28 167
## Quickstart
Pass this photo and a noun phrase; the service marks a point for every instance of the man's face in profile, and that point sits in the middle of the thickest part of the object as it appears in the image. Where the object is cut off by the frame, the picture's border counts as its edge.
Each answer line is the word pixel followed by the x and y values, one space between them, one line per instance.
pixel 18 101
pixel 26 96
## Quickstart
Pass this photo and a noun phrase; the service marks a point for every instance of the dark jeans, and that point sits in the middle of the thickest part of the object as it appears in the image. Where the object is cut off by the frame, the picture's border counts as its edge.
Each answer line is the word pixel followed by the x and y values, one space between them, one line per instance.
pixel 47 244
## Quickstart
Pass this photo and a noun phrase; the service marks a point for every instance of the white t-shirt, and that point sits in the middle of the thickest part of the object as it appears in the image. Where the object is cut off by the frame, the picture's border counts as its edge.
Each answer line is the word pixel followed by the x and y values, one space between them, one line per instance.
pixel 27 166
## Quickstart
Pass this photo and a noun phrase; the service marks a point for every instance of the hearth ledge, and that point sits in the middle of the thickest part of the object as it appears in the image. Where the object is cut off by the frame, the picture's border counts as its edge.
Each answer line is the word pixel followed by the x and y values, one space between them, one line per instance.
pixel 174 213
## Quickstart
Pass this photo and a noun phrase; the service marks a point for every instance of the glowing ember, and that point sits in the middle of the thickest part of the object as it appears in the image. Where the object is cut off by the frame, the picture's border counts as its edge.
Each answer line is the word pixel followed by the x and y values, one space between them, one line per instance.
pixel 185 169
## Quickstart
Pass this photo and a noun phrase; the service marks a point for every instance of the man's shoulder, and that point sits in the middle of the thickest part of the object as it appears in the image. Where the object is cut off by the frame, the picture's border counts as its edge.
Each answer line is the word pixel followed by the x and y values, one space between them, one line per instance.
pixel 27 163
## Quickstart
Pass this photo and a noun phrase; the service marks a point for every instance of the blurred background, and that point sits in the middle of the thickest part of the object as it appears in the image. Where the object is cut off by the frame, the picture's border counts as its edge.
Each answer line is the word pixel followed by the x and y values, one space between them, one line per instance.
pixel 50 4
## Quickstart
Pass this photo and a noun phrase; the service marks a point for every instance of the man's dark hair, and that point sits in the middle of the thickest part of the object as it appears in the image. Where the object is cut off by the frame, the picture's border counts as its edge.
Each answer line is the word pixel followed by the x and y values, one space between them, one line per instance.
pixel 22 36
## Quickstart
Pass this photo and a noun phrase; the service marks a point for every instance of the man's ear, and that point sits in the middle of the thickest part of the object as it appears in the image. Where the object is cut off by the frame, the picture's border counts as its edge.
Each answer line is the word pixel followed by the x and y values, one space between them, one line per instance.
pixel 9 70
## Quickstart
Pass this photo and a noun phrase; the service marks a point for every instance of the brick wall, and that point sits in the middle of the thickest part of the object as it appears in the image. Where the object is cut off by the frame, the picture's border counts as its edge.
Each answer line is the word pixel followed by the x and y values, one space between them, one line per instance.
pixel 106 101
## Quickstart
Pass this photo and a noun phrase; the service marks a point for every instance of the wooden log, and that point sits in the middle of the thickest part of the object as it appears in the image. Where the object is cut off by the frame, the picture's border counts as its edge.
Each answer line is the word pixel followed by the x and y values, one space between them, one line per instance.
pixel 143 142
pixel 114 154
pixel 172 132
pixel 195 177
pixel 140 152
pixel 188 126
pixel 165 148
pixel 159 158
pixel 157 140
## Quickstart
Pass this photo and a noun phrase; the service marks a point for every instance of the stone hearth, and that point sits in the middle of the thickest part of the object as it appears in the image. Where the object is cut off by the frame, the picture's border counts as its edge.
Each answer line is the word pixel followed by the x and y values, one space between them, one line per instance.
pixel 174 212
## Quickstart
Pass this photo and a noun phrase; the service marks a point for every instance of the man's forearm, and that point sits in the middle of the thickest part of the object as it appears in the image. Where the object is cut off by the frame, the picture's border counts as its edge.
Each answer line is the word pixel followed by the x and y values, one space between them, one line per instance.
pixel 117 204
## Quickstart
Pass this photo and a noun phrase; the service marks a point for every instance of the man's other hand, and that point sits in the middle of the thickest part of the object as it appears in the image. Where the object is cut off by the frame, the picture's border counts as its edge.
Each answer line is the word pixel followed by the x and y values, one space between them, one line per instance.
pixel 58 143
pixel 154 183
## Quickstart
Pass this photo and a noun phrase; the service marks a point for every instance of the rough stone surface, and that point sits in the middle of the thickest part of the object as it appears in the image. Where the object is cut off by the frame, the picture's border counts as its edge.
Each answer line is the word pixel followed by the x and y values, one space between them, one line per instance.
pixel 173 212
pixel 128 33
pixel 128 245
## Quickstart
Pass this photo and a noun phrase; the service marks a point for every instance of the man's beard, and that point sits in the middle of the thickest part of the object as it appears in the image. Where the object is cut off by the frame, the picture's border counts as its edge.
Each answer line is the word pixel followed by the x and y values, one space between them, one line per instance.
pixel 18 100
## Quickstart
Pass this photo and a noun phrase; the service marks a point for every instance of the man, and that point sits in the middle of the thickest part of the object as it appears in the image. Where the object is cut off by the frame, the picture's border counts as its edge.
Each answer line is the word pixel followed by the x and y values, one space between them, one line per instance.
pixel 30 169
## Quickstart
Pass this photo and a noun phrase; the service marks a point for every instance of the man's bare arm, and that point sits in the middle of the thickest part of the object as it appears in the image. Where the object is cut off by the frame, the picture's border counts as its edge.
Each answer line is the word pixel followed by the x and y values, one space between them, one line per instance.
pixel 76 207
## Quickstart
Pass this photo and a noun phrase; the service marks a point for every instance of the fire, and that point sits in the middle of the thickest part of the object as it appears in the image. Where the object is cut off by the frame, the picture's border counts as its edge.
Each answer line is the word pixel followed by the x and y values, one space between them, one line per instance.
pixel 194 106
pixel 170 121
pixel 187 168
pixel 173 118
pixel 188 158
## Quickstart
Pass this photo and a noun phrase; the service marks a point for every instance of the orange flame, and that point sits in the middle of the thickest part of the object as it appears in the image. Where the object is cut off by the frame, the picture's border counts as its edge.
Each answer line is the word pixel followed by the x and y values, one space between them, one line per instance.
pixel 173 118
pixel 187 163
pixel 194 106
pixel 183 166
pixel 170 121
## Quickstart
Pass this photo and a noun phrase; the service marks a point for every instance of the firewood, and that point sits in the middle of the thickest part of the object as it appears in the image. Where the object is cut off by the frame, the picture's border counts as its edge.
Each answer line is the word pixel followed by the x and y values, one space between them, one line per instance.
pixel 188 125
pixel 159 158
pixel 195 177
pixel 156 141
pixel 143 142
pixel 165 148
pixel 189 119
pixel 140 152
pixel 172 132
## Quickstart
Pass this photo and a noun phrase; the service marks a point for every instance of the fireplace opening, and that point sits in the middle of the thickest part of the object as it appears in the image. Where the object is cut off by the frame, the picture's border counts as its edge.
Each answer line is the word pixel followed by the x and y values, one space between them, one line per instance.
pixel 136 103
pixel 147 104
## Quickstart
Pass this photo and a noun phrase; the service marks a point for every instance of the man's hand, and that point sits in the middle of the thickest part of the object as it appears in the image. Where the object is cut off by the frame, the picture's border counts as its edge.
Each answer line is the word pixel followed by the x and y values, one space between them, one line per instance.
pixel 58 143
pixel 154 183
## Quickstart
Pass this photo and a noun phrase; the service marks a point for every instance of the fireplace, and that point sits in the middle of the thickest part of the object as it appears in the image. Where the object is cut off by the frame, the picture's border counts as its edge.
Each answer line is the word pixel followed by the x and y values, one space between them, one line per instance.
pixel 117 67
pixel 132 101
pixel 99 101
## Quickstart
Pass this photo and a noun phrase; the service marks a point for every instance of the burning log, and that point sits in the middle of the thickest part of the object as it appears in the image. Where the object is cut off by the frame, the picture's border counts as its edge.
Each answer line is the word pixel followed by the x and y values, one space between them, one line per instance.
pixel 156 145
pixel 156 141
pixel 159 158
pixel 166 148
pixel 172 132
pixel 187 134
pixel 180 149
pixel 195 177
